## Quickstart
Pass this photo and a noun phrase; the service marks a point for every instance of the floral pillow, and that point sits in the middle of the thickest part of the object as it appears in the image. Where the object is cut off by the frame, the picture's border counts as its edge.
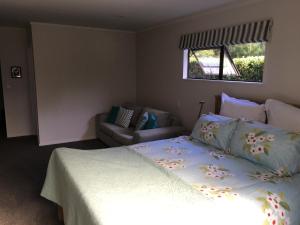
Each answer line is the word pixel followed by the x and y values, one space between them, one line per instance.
pixel 214 130
pixel 266 145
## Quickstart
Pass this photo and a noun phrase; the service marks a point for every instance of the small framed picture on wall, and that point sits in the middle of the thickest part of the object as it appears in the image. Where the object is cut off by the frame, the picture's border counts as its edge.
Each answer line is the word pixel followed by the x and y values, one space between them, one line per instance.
pixel 16 72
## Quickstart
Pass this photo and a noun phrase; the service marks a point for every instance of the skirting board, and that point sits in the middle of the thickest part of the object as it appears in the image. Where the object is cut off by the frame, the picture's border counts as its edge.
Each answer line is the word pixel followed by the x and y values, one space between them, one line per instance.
pixel 54 142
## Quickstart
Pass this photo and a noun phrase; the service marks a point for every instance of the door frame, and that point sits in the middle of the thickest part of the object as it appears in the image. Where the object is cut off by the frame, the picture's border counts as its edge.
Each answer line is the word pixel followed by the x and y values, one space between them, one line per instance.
pixel 2 96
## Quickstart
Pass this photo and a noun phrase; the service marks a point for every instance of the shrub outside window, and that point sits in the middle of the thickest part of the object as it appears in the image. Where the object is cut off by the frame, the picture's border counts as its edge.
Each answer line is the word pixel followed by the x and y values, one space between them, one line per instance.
pixel 241 62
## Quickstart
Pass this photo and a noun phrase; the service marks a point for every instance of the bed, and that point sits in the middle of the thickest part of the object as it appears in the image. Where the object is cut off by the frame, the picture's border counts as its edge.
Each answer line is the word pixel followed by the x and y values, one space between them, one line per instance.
pixel 174 181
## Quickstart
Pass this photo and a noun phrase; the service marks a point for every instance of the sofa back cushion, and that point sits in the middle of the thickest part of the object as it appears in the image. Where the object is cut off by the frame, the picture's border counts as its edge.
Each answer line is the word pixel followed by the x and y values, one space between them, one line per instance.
pixel 112 116
pixel 163 118
pixel 174 121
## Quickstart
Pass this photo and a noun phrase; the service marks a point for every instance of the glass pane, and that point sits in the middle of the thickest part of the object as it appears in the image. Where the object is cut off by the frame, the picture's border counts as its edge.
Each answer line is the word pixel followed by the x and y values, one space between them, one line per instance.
pixel 249 60
pixel 204 64
pixel 229 70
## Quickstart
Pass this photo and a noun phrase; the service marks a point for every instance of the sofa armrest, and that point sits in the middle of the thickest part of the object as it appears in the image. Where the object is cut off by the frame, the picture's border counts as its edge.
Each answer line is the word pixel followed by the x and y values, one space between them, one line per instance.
pixel 157 133
pixel 101 117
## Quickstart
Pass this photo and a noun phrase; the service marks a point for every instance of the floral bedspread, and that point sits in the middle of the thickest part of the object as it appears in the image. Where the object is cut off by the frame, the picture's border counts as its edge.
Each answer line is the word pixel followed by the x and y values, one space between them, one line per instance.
pixel 223 178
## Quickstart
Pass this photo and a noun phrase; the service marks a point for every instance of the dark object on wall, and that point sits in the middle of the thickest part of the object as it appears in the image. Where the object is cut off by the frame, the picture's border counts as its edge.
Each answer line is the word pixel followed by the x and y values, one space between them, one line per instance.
pixel 16 72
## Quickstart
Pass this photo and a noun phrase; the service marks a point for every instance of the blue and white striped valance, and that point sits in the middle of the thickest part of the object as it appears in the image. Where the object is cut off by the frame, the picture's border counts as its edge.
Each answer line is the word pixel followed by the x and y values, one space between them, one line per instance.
pixel 239 34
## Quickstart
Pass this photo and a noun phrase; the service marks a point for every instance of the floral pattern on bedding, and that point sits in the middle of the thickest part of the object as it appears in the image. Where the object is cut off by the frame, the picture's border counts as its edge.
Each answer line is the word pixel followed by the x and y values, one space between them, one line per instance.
pixel 258 142
pixel 170 164
pixel 215 171
pixel 276 209
pixel 208 130
pixel 179 140
pixel 217 155
pixel 216 192
pixel 271 176
pixel 175 150
pixel 220 176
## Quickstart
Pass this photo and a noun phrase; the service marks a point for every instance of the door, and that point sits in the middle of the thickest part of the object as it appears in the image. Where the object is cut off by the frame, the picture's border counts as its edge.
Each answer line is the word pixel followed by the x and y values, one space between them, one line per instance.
pixel 2 111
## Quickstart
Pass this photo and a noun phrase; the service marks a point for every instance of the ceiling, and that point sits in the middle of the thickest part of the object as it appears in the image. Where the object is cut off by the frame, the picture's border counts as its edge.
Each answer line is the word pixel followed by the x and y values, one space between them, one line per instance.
pixel 116 14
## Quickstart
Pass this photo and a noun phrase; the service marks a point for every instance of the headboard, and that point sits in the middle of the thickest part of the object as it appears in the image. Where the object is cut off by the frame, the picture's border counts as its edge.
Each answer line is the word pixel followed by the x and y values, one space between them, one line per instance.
pixel 218 102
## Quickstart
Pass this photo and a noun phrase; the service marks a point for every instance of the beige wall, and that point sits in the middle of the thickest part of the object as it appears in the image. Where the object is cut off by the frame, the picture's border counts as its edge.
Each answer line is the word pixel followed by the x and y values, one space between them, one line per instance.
pixel 159 61
pixel 18 110
pixel 80 72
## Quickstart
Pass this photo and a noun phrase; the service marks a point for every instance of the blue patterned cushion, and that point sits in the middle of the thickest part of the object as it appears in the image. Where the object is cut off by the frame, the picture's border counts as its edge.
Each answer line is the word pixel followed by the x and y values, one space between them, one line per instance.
pixel 151 122
pixel 112 116
pixel 142 121
pixel 214 130
pixel 266 145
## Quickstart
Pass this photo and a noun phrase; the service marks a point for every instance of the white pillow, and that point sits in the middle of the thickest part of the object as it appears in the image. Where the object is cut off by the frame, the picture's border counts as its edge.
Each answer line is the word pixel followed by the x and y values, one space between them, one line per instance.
pixel 283 115
pixel 241 108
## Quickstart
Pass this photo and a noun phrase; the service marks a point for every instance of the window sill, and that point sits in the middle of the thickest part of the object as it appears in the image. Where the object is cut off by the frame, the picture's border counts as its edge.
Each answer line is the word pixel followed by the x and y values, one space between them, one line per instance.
pixel 225 81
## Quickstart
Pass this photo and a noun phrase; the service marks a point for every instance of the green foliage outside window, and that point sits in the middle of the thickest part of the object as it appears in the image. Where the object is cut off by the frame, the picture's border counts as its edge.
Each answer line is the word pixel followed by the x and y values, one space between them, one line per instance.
pixel 250 68
pixel 248 59
pixel 245 50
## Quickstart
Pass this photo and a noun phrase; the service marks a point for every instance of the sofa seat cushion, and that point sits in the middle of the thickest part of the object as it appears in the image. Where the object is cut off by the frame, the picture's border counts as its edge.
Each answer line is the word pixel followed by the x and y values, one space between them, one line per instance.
pixel 123 138
pixel 121 135
pixel 110 129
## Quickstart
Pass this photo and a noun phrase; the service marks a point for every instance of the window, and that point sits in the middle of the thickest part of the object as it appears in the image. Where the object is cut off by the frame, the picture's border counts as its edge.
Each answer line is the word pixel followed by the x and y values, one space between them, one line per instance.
pixel 204 64
pixel 241 62
pixel 235 53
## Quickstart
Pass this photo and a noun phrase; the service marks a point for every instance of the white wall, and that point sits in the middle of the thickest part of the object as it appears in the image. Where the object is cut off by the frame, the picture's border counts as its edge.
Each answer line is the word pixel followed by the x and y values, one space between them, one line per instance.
pixel 80 72
pixel 159 60
pixel 18 109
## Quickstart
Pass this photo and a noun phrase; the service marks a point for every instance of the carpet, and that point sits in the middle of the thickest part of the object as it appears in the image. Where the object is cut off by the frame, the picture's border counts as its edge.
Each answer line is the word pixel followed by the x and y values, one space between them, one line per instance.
pixel 23 166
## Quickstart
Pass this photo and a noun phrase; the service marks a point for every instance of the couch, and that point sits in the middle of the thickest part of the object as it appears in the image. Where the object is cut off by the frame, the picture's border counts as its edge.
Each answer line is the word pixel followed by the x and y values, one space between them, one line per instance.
pixel 113 135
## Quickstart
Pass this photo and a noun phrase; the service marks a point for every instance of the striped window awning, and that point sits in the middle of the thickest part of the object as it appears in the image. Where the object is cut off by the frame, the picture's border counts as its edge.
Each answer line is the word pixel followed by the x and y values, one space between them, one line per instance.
pixel 258 31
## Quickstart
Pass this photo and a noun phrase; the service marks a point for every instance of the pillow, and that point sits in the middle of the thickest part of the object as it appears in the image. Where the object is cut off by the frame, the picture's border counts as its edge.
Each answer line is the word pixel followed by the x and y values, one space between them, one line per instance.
pixel 266 145
pixel 142 121
pixel 152 122
pixel 283 115
pixel 136 115
pixel 112 116
pixel 240 108
pixel 214 130
pixel 162 116
pixel 124 117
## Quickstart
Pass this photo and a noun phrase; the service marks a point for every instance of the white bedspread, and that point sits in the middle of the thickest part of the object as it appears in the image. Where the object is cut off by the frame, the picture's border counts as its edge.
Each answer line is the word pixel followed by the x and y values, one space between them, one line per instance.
pixel 116 187
pixel 119 186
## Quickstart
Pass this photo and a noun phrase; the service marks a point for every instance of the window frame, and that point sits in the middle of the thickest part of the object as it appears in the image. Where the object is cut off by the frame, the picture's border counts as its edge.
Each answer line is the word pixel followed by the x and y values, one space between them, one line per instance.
pixel 226 51
pixel 223 50
pixel 201 49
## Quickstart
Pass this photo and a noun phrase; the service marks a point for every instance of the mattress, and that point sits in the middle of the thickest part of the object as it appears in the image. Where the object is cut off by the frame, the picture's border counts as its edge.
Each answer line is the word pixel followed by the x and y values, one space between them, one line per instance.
pixel 173 181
